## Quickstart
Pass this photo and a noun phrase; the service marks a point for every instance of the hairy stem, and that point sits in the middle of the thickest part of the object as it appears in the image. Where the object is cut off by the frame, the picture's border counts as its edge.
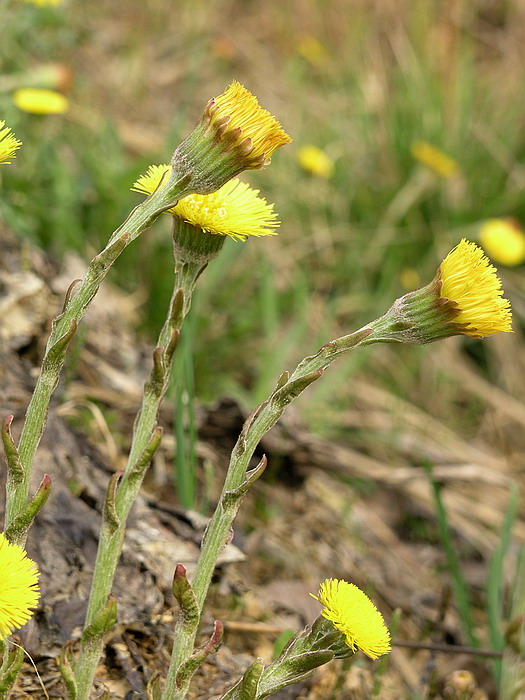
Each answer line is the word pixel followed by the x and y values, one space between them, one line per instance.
pixel 237 481
pixel 65 325
pixel 146 437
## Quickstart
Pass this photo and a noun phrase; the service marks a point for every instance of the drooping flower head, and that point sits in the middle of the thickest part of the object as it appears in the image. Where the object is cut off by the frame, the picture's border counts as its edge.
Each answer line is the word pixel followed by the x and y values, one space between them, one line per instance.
pixel 40 101
pixel 464 298
pixel 234 210
pixel 434 159
pixel 9 144
pixel 503 240
pixel 18 587
pixel 352 612
pixel 235 134
pixel 237 111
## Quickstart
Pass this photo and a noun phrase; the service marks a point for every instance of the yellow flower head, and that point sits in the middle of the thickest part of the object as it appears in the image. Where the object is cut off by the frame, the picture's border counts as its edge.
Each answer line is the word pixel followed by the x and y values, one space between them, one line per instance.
pixel 354 614
pixel 234 210
pixel 8 143
pixel 236 113
pixel 464 298
pixel 234 134
pixel 503 240
pixel 315 161
pixel 469 281
pixel 18 587
pixel 434 159
pixel 40 101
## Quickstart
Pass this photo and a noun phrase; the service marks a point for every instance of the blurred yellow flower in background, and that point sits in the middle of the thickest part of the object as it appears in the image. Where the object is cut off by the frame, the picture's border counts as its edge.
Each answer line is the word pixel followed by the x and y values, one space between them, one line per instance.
pixel 8 143
pixel 315 161
pixel 352 612
pixel 470 281
pixel 503 240
pixel 409 278
pixel 236 109
pixel 40 101
pixel 42 3
pixel 234 210
pixel 310 48
pixel 434 159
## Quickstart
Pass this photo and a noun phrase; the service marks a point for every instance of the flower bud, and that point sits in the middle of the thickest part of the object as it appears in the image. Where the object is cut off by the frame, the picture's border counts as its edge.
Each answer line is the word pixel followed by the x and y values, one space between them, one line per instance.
pixel 234 134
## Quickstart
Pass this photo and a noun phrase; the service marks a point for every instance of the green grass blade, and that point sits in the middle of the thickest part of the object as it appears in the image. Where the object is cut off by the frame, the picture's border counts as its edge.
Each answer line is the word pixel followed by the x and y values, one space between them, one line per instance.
pixel 494 587
pixel 185 466
pixel 460 586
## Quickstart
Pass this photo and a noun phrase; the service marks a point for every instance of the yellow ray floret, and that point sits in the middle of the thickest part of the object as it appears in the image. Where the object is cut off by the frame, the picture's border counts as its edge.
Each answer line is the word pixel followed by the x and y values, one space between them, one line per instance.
pixel 153 177
pixel 18 587
pixel 234 210
pixel 8 143
pixel 470 281
pixel 354 614
pixel 242 111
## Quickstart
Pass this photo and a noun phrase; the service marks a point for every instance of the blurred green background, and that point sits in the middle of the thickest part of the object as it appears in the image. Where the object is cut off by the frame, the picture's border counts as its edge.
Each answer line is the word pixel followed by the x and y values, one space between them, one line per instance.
pixel 362 81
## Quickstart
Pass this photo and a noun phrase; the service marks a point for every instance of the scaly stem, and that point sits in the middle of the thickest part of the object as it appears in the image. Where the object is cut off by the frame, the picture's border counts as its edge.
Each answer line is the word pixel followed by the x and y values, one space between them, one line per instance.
pixel 219 527
pixel 65 324
pixel 268 416
pixel 146 438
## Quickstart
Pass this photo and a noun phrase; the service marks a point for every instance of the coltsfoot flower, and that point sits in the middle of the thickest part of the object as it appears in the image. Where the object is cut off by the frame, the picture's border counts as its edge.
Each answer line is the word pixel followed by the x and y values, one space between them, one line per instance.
pixel 464 298
pixel 352 612
pixel 9 144
pixel 40 101
pixel 468 281
pixel 503 240
pixel 236 114
pixel 234 134
pixel 315 161
pixel 434 159
pixel 235 210
pixel 349 622
pixel 18 587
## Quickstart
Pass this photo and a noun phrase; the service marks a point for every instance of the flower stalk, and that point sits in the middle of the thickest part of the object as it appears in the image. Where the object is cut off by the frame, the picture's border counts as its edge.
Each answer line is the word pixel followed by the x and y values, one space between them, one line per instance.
pixel 122 493
pixel 200 228
pixel 239 479
pixel 64 327
pixel 234 134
